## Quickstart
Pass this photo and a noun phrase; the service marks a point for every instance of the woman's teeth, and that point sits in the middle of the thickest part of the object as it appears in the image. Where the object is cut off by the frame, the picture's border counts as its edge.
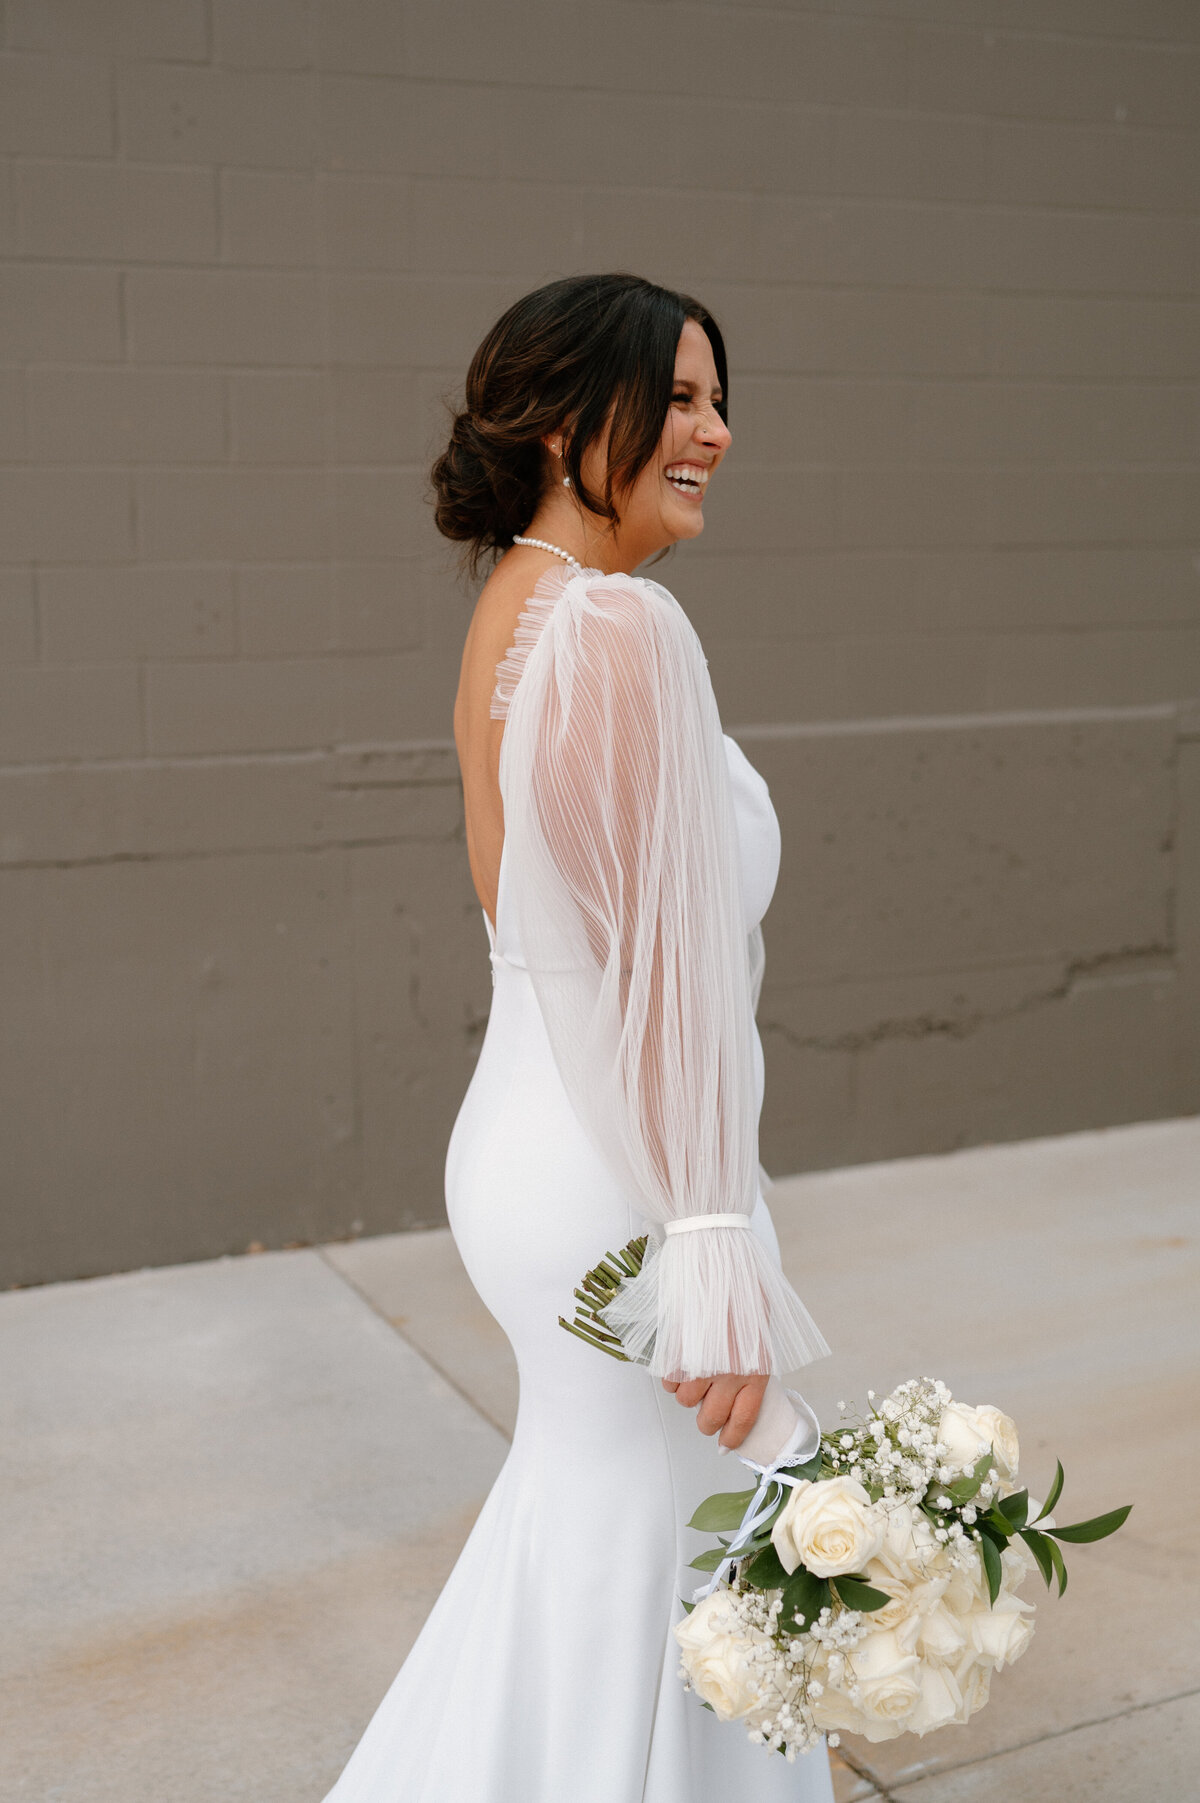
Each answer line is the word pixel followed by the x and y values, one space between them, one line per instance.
pixel 688 482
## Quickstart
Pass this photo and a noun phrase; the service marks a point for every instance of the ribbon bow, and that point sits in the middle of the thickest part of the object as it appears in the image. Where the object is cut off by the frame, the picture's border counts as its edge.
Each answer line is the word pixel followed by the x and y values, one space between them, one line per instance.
pixel 762 1503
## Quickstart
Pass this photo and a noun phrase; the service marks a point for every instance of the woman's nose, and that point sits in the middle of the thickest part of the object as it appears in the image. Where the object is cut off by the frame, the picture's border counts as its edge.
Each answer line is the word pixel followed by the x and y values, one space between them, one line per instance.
pixel 716 433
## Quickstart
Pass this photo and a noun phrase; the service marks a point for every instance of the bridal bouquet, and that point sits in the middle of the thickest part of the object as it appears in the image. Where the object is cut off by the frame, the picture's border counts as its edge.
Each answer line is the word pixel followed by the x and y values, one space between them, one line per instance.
pixel 873 1588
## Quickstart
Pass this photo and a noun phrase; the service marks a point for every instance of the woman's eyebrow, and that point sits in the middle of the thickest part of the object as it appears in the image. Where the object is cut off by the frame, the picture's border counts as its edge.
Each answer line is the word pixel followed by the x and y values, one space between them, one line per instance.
pixel 686 382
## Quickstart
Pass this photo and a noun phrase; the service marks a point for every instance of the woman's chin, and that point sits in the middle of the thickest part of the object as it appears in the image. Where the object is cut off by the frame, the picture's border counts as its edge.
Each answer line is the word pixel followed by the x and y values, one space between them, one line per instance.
pixel 688 521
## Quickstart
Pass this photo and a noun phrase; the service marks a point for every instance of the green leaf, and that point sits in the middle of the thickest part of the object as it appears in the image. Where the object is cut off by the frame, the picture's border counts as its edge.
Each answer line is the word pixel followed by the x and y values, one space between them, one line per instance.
pixel 804 1597
pixel 723 1511
pixel 811 1469
pixel 1059 1566
pixel 1015 1508
pixel 964 1488
pixel 1055 1491
pixel 767 1572
pixel 708 1561
pixel 1040 1547
pixel 759 1544
pixel 687 1607
pixel 1098 1528
pixel 1002 1528
pixel 993 1570
pixel 857 1595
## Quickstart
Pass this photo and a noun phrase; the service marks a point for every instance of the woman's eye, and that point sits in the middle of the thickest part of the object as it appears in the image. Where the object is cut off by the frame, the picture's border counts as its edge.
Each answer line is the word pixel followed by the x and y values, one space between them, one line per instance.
pixel 685 398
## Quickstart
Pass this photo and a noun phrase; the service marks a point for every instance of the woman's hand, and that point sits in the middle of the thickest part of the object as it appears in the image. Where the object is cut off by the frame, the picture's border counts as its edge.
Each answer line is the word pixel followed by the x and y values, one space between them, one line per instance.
pixel 728 1405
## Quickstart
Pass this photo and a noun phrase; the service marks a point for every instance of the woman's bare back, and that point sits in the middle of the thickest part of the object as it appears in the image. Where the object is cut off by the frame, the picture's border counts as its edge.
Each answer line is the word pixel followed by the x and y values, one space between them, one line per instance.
pixel 476 735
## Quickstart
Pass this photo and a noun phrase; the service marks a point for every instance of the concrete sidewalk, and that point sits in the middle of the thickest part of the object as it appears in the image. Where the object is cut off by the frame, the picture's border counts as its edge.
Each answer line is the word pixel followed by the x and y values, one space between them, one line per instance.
pixel 233 1489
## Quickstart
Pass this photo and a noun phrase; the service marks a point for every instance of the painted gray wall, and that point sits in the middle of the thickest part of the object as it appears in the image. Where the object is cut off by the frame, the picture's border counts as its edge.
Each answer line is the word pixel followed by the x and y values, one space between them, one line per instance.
pixel 949 591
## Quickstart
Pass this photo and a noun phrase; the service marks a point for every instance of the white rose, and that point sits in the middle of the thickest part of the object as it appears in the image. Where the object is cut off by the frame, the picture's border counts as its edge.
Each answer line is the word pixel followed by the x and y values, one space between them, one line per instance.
pixel 940 1634
pixel 1002 1632
pixel 1002 1433
pixel 939 1702
pixel 974 1680
pixel 909 1550
pixel 913 1606
pixel 967 1590
pixel 963 1434
pixel 834 1713
pixel 717 1649
pixel 888 1674
pixel 901 1605
pixel 829 1527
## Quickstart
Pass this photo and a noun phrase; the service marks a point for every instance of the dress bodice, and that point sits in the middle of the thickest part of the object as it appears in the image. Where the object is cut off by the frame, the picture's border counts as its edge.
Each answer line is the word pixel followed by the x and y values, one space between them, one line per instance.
pixel 759 847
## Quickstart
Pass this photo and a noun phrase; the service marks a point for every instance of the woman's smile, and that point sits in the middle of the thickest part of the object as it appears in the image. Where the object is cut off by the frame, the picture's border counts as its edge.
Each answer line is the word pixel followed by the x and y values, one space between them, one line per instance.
pixel 688 478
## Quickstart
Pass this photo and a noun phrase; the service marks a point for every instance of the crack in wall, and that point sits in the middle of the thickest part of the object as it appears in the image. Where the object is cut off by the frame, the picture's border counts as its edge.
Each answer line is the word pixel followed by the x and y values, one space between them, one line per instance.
pixel 1139 962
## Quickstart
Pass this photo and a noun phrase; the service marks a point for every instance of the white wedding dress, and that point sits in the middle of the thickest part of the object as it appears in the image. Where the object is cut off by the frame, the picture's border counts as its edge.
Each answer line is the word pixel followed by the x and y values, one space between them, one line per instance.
pixel 619 1084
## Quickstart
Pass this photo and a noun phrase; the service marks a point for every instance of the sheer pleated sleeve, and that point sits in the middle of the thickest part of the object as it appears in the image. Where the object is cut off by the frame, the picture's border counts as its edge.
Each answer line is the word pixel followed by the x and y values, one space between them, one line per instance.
pixel 621 864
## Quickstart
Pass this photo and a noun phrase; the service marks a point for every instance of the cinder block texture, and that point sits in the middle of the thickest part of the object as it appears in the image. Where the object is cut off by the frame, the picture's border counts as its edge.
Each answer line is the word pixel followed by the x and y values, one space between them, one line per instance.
pixel 1061 981
pixel 948 589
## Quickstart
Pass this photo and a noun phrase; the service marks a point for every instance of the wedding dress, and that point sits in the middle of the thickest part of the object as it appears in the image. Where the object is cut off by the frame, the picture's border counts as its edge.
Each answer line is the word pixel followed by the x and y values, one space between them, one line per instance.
pixel 619 1084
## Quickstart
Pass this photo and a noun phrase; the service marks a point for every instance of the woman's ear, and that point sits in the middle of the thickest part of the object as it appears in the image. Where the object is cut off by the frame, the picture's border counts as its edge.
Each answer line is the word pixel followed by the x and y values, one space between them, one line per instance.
pixel 553 442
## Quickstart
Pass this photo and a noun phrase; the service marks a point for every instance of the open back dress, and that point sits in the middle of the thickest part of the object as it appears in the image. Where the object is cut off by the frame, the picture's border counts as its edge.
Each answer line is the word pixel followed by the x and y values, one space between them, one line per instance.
pixel 618 1088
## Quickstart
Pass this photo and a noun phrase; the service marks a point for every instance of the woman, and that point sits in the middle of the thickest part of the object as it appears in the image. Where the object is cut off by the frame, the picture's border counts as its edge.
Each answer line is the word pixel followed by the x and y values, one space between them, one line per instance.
pixel 624 852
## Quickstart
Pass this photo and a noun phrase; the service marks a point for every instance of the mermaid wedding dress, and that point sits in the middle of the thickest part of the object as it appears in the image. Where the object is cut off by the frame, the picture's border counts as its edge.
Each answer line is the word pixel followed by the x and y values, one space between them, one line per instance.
pixel 619 1085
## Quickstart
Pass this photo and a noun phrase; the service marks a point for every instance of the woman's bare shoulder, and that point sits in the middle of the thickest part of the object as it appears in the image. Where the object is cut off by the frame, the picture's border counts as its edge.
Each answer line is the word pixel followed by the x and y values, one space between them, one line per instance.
pixel 492 631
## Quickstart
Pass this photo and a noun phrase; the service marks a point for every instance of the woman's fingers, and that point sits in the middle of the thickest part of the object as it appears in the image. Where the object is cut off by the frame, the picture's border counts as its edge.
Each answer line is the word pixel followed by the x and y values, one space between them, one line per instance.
pixel 718 1400
pixel 729 1402
pixel 694 1390
pixel 744 1412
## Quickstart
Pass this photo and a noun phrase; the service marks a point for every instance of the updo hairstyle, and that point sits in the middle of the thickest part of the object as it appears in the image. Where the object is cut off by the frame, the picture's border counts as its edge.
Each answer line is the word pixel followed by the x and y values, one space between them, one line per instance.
pixel 561 360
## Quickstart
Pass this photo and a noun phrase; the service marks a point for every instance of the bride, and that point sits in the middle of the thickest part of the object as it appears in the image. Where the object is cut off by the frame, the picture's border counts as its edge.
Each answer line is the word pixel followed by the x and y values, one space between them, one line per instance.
pixel 624 852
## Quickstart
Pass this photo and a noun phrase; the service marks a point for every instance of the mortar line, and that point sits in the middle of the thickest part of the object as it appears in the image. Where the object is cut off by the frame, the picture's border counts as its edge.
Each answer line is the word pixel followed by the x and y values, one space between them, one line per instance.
pixel 408 1341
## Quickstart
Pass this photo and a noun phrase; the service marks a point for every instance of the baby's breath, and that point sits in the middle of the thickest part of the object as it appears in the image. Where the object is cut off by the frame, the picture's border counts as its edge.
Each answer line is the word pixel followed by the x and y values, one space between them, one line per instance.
pixel 894 1451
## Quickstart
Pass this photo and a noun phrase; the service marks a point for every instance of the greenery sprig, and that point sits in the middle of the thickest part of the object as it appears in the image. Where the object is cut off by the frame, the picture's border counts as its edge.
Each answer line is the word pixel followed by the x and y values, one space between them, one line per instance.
pixel 1009 1516
pixel 804 1595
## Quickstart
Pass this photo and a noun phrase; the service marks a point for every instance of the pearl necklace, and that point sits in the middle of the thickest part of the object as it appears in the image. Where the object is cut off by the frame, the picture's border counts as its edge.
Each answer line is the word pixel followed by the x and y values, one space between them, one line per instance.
pixel 545 545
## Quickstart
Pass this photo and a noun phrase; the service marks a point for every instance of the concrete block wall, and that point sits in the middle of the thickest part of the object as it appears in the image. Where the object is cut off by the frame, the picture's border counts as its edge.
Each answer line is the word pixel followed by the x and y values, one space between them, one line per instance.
pixel 949 590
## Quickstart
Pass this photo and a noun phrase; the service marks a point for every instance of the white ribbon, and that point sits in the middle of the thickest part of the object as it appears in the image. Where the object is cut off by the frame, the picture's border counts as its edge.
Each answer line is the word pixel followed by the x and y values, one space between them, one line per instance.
pixel 805 1433
pixel 761 1505
pixel 693 1223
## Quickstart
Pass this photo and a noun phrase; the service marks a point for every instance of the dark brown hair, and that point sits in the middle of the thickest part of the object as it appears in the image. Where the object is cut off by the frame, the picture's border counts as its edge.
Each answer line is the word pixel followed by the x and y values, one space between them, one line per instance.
pixel 562 359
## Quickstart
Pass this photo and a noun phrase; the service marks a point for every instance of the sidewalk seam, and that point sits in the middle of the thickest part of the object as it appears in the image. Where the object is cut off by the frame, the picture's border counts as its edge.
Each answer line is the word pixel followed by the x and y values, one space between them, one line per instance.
pixel 419 1350
pixel 1038 1740
pixel 861 1771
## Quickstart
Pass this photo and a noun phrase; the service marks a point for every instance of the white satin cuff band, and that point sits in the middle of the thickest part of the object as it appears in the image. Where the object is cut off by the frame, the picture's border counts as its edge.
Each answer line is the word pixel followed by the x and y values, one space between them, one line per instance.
pixel 693 1223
